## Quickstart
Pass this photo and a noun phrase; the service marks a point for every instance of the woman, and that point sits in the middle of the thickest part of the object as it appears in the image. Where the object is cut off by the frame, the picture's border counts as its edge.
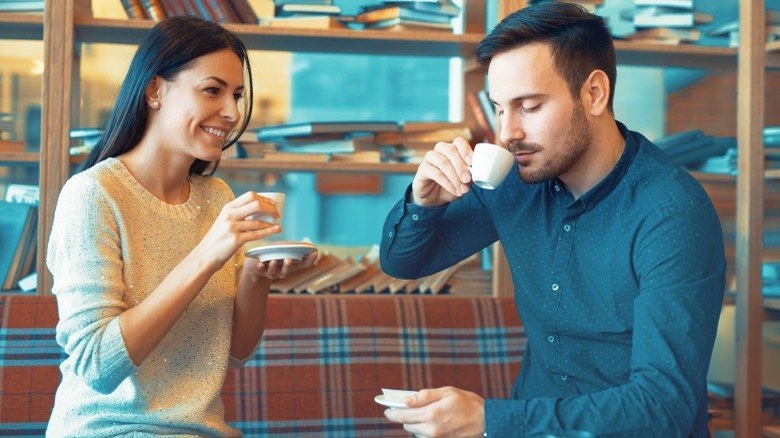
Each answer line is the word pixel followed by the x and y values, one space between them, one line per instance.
pixel 155 297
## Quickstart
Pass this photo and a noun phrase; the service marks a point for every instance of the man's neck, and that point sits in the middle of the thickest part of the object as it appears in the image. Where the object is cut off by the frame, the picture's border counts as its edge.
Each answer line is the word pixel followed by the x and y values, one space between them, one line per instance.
pixel 603 153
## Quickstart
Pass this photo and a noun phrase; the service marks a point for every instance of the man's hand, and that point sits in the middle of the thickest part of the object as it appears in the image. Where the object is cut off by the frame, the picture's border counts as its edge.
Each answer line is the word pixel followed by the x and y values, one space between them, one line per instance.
pixel 442 412
pixel 444 175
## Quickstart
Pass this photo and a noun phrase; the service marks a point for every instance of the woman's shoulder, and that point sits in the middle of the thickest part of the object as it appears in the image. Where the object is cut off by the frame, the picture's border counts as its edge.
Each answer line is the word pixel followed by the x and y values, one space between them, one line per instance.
pixel 90 180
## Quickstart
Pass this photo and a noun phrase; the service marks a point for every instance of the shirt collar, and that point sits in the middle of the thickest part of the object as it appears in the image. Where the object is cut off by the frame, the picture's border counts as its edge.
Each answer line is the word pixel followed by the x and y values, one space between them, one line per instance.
pixel 592 197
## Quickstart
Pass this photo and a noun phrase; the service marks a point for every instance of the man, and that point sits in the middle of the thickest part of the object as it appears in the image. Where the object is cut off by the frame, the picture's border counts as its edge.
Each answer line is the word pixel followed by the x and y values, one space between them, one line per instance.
pixel 616 254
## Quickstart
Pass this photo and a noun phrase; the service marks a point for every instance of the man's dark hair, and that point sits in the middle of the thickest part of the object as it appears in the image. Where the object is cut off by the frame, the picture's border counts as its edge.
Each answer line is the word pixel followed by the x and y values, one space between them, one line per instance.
pixel 579 41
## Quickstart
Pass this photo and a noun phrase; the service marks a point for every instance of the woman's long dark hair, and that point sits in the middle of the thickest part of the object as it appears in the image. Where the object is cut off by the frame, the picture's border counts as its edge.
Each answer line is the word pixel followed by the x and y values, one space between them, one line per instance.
pixel 169 48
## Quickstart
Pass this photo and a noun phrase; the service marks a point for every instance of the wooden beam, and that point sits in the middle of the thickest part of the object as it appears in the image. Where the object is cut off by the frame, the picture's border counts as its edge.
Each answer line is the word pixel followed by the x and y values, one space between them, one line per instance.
pixel 60 82
pixel 750 227
pixel 503 286
pixel 506 7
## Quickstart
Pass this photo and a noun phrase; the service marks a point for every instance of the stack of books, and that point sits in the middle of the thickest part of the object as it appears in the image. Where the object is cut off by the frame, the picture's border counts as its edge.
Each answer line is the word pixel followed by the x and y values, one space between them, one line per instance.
pixel 589 5
pixel 332 273
pixel 7 142
pixel 665 21
pixel 372 141
pixel 222 11
pixel 308 14
pixel 320 141
pixel 18 234
pixel 408 15
pixel 692 148
pixel 727 162
pixel 730 29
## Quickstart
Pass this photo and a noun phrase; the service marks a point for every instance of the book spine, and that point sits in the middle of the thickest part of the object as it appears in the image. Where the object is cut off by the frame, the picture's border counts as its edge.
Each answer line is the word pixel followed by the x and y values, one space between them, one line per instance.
pixel 203 11
pixel 222 11
pixel 134 9
pixel 154 9
pixel 174 8
pixel 480 118
pixel 244 11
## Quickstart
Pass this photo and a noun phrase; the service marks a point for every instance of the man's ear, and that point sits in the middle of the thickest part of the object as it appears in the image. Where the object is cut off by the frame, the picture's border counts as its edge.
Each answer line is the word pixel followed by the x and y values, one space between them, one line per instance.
pixel 595 93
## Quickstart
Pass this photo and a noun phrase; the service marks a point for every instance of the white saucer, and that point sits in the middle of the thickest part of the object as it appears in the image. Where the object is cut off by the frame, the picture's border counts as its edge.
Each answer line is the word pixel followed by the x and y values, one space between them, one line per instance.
pixel 389 403
pixel 280 251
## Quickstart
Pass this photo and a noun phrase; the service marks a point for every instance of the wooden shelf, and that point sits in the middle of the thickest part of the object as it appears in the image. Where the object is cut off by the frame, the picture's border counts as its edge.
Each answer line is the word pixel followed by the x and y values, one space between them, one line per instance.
pixel 331 166
pixel 24 158
pixel 21 26
pixel 431 43
pixel 683 55
pixel 29 158
pixel 422 43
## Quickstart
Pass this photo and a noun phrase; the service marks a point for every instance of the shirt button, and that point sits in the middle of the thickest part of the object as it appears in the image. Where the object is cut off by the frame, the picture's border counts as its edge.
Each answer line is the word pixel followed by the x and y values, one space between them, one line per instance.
pixel 567 227
pixel 557 188
pixel 390 234
pixel 564 377
pixel 415 217
pixel 551 339
pixel 555 287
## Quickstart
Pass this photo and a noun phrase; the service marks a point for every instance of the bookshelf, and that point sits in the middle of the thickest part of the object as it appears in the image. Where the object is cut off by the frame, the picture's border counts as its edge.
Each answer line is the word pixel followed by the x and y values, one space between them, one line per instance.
pixel 21 26
pixel 328 166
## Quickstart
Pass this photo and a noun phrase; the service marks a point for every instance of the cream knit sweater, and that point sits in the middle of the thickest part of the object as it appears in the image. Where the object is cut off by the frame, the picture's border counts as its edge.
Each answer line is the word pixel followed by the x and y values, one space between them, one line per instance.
pixel 111 245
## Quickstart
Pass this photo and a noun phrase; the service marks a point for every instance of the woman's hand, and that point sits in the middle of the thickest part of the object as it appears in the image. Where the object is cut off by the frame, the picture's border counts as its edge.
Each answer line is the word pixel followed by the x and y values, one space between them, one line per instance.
pixel 233 227
pixel 274 269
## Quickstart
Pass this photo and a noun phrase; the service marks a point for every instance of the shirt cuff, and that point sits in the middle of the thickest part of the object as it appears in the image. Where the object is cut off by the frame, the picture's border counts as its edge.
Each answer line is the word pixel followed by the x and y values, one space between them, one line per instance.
pixel 504 418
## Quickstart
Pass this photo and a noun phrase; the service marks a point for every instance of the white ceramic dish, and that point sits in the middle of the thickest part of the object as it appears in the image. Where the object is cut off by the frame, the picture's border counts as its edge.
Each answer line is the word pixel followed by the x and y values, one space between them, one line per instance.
pixel 281 251
pixel 390 404
pixel 393 398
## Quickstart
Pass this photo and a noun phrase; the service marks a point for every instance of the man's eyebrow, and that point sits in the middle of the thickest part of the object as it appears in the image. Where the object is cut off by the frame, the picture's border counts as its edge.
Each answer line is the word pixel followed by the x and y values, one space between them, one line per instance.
pixel 520 98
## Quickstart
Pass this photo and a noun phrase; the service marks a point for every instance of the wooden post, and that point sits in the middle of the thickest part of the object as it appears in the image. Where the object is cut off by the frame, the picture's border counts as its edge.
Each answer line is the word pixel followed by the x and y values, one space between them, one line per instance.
pixel 750 227
pixel 60 96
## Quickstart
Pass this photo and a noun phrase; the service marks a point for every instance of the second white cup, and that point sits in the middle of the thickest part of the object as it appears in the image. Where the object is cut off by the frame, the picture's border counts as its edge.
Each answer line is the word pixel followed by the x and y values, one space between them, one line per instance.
pixel 490 164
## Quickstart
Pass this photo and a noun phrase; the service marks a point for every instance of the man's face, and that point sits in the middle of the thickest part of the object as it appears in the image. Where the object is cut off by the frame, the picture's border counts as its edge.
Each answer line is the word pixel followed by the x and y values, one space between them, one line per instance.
pixel 539 122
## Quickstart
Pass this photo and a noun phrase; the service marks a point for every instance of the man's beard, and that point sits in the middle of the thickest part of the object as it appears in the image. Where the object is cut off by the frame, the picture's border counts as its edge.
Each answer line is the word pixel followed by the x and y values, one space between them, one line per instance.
pixel 561 158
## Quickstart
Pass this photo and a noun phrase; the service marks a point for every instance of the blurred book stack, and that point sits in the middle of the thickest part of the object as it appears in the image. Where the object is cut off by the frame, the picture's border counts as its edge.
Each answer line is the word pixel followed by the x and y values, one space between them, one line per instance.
pixel 408 16
pixel 705 153
pixel 18 234
pixel 665 21
pixel 221 11
pixel 307 14
pixel 770 277
pixel 589 5
pixel 8 143
pixel 333 273
pixel 356 141
pixel 730 29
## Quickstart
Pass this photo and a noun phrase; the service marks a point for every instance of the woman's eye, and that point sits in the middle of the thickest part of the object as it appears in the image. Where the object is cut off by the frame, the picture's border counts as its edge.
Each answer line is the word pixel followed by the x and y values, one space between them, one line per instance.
pixel 212 90
pixel 530 109
pixel 237 96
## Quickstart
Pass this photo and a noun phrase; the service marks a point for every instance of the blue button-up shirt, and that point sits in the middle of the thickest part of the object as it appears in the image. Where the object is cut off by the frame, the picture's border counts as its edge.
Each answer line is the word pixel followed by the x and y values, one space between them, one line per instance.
pixel 619 291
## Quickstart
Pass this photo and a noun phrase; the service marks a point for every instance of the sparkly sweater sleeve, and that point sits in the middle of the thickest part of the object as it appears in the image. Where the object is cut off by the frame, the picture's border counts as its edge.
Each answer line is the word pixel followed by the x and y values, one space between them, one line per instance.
pixel 84 258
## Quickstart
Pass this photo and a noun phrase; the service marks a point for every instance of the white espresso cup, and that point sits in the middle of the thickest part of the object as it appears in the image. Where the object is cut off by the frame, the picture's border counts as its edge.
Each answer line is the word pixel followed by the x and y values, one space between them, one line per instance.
pixel 490 164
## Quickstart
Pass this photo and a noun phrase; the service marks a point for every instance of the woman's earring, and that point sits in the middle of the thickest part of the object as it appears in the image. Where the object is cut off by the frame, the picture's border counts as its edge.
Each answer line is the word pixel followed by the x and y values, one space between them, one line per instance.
pixel 155 104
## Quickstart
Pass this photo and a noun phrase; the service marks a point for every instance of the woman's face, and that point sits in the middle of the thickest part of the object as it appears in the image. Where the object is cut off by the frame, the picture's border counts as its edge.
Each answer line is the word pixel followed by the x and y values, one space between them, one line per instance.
pixel 200 107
